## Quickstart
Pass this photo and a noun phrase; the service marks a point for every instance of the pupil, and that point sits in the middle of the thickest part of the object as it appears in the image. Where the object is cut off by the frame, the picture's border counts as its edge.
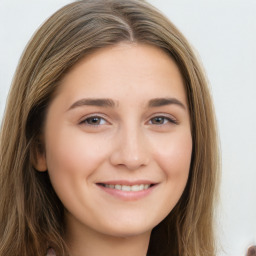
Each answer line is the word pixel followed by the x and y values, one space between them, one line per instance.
pixel 94 120
pixel 158 120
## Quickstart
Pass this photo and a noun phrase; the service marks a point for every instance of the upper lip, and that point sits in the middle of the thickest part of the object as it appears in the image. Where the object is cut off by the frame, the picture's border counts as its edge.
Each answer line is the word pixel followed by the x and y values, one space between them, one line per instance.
pixel 127 182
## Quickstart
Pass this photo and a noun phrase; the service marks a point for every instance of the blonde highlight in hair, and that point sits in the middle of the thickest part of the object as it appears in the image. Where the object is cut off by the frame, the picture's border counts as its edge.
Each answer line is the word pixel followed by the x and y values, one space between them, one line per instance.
pixel 31 215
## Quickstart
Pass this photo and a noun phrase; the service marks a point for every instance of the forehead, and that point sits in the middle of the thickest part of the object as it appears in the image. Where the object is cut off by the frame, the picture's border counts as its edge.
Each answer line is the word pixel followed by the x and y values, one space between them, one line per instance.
pixel 124 70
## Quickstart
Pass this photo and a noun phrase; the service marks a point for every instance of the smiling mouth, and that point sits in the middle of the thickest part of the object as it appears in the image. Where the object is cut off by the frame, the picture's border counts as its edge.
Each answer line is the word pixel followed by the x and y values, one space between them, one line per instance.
pixel 134 188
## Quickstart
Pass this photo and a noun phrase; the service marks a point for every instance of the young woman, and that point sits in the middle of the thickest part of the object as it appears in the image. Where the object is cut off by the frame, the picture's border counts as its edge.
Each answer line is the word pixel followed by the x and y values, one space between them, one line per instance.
pixel 108 143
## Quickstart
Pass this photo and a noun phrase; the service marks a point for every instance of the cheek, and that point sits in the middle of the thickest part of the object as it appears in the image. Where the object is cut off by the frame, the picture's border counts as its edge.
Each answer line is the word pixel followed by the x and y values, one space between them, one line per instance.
pixel 73 153
pixel 72 158
pixel 174 157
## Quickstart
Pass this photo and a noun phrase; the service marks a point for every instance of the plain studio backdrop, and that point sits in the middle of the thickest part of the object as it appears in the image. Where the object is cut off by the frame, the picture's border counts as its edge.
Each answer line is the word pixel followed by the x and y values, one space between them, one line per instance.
pixel 223 33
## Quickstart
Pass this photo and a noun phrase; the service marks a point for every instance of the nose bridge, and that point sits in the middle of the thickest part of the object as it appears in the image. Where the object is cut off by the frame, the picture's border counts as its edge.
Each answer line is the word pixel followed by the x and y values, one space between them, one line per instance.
pixel 131 149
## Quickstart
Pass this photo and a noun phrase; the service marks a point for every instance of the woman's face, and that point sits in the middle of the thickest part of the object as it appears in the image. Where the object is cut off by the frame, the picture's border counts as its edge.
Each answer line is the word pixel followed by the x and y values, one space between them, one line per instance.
pixel 118 141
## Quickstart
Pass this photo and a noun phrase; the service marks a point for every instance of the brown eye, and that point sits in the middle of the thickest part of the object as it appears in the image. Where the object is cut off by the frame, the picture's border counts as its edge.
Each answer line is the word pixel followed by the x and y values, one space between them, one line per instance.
pixel 158 120
pixel 94 121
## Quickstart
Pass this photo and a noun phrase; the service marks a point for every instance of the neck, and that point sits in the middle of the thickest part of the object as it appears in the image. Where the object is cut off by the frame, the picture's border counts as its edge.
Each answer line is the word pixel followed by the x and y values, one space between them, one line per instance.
pixel 87 242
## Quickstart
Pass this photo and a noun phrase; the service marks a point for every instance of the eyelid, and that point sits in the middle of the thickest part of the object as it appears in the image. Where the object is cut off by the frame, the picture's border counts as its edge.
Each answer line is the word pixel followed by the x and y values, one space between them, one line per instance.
pixel 96 115
pixel 171 119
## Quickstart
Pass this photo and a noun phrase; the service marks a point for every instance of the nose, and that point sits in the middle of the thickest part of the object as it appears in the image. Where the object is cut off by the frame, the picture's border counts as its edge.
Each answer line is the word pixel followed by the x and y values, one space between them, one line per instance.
pixel 130 150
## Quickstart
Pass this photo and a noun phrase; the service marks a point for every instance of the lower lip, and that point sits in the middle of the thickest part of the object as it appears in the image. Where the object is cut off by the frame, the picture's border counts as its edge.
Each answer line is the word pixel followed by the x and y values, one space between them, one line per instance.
pixel 128 195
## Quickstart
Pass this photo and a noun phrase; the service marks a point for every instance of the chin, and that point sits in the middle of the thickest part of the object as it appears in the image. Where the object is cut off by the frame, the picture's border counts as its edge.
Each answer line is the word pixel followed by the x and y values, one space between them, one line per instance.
pixel 130 228
pixel 131 232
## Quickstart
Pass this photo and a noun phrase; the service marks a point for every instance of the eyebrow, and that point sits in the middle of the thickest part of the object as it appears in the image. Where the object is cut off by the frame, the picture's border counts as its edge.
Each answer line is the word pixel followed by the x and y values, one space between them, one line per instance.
pixel 93 102
pixel 157 102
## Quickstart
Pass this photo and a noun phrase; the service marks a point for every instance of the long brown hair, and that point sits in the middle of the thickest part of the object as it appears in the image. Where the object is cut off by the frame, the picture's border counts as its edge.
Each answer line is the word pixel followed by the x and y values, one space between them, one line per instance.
pixel 31 215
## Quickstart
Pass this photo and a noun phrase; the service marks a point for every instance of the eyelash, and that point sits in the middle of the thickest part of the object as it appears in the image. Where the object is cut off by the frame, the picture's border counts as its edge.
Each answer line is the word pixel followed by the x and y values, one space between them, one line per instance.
pixel 167 120
pixel 86 120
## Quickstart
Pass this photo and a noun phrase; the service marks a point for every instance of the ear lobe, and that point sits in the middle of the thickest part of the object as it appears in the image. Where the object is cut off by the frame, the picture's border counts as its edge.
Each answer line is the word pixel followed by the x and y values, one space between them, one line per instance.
pixel 39 162
pixel 38 157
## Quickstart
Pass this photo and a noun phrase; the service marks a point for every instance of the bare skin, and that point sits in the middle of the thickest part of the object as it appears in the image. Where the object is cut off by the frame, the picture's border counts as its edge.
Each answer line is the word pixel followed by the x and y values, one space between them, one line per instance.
pixel 118 148
pixel 251 251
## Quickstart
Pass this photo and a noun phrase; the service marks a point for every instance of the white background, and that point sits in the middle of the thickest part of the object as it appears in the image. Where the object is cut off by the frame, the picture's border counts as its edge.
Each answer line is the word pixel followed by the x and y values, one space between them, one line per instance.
pixel 224 36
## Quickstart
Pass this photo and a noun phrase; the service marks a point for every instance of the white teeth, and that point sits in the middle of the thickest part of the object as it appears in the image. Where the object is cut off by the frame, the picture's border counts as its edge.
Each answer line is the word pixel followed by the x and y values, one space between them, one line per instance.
pixel 137 187
pixel 119 187
pixel 128 188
